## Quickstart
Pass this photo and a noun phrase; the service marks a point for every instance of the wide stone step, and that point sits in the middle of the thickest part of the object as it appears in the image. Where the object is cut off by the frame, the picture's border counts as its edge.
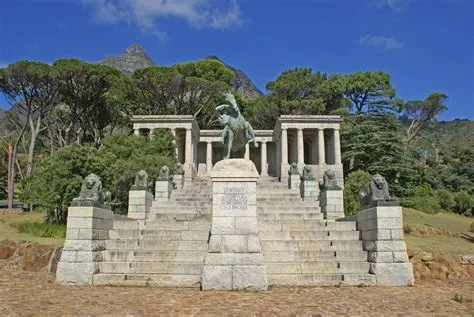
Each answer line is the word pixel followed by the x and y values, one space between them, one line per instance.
pixel 279 199
pixel 310 253
pixel 290 216
pixel 314 225
pixel 286 203
pixel 318 267
pixel 151 255
pixel 322 245
pixel 180 210
pixel 309 235
pixel 201 224
pixel 183 203
pixel 305 279
pixel 179 216
pixel 154 280
pixel 181 268
pixel 288 209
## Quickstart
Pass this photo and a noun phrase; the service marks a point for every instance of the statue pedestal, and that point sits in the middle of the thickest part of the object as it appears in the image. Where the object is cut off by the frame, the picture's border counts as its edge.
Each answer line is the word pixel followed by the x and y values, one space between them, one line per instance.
pixel 87 230
pixel 234 260
pixel 381 228
pixel 139 203
pixel 163 190
pixel 332 203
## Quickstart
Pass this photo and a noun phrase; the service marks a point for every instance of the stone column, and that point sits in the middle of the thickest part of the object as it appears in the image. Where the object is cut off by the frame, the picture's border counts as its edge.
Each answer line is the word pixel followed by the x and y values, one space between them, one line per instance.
pixel 300 144
pixel 151 134
pixel 188 154
pixel 337 147
pixel 234 260
pixel 247 152
pixel 136 132
pixel 321 149
pixel 263 159
pixel 283 155
pixel 284 146
pixel 278 157
pixel 209 157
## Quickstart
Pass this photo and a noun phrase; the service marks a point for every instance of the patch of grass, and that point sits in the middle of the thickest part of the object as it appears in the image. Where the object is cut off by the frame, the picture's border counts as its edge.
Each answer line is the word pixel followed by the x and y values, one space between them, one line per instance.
pixel 45 230
pixel 441 233
pixel 9 229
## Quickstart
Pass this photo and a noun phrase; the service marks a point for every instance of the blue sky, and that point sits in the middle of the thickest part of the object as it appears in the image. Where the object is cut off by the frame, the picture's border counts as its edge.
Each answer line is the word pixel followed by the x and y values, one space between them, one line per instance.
pixel 426 45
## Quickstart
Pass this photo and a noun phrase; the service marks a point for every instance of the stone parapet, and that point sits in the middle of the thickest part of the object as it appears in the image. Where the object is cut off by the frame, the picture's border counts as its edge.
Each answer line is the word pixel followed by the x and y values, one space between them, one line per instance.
pixel 139 203
pixel 87 230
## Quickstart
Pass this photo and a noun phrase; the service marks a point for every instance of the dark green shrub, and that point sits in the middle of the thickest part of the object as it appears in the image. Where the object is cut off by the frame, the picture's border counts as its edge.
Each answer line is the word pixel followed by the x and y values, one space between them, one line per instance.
pixel 463 203
pixel 445 199
pixel 45 230
pixel 423 200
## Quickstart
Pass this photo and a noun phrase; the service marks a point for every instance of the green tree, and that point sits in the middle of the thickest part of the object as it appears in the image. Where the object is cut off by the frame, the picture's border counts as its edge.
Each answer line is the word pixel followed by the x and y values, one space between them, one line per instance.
pixel 370 90
pixel 32 87
pixel 189 88
pixel 354 183
pixel 88 91
pixel 59 176
pixel 375 144
pixel 422 112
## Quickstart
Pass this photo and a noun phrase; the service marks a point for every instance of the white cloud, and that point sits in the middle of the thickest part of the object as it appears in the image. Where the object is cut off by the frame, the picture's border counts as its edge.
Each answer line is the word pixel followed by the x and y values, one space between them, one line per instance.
pixel 386 42
pixel 3 64
pixel 395 5
pixel 147 14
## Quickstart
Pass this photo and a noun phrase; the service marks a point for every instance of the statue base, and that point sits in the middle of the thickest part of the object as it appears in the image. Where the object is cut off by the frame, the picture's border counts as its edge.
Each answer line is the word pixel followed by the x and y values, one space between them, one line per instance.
pixel 234 260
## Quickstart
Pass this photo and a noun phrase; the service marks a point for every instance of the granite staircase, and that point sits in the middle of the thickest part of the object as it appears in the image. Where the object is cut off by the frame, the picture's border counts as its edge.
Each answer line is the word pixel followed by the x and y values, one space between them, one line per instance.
pixel 167 249
pixel 300 247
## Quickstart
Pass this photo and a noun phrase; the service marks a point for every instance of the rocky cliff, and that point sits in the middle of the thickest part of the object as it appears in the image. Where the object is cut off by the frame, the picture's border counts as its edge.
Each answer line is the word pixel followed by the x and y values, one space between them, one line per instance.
pixel 132 59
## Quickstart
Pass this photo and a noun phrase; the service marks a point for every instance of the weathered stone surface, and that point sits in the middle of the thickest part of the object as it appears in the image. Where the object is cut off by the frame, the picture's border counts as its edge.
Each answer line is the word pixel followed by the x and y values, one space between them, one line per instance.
pixel 217 277
pixel 393 274
pixel 249 278
pixel 76 273
pixel 223 225
pixel 234 259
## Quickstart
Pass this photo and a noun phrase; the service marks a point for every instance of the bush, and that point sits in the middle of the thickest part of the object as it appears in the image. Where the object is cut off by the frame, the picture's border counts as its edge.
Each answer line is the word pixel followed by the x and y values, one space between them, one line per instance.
pixel 355 182
pixel 423 200
pixel 45 230
pixel 445 199
pixel 463 203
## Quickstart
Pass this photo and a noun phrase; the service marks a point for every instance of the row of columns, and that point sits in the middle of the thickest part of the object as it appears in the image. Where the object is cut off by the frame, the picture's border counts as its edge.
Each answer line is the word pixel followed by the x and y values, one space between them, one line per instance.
pixel 263 157
pixel 318 139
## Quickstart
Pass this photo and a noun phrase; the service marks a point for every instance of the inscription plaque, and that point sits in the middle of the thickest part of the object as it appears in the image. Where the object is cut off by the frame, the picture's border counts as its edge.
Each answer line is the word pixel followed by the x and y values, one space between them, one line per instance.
pixel 235 198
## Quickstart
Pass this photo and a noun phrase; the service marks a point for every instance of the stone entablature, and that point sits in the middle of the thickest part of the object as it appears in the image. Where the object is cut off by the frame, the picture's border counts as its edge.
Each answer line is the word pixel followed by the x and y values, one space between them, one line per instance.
pixel 308 140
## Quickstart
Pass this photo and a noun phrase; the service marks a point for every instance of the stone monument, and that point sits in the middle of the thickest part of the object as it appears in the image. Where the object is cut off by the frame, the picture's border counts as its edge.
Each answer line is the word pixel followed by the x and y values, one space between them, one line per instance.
pixel 331 196
pixel 236 132
pixel 234 260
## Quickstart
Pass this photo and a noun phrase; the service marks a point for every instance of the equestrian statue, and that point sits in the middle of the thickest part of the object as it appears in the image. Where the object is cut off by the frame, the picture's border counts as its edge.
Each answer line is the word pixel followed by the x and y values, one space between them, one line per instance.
pixel 236 131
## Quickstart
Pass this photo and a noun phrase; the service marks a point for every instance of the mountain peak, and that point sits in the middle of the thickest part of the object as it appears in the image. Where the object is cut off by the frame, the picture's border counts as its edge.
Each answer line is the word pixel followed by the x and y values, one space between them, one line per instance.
pixel 133 58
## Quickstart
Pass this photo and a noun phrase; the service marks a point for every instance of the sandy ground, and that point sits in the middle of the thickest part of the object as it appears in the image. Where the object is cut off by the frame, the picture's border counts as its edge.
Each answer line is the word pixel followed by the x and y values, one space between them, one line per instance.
pixel 36 294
